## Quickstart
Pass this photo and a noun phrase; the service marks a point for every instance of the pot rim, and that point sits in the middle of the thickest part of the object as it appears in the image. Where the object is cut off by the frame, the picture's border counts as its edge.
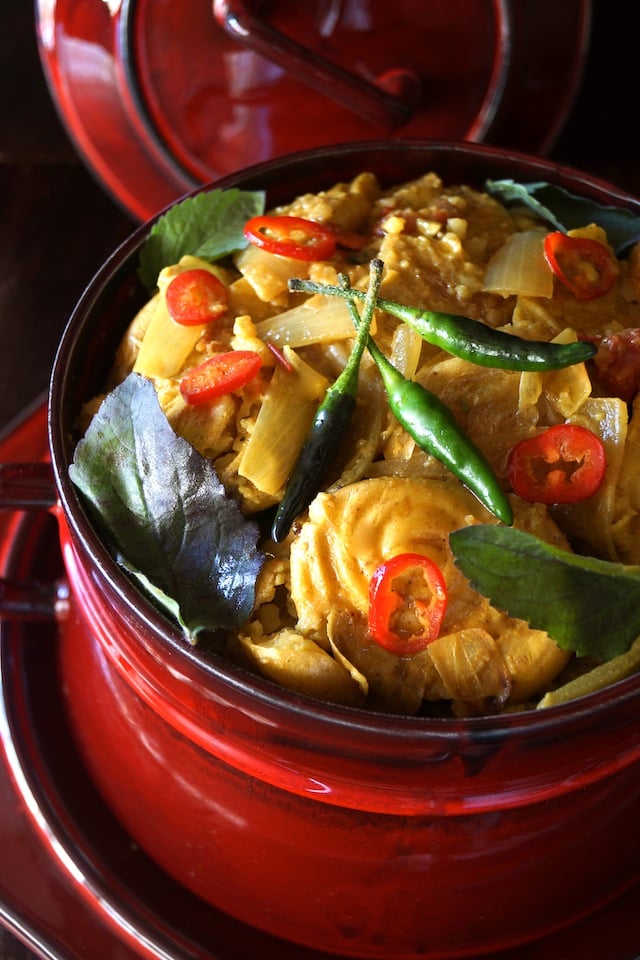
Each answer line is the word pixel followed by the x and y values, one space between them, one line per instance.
pixel 255 689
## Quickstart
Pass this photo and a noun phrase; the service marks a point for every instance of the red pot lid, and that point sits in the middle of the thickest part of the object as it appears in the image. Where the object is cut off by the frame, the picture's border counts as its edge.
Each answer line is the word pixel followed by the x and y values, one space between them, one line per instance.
pixel 161 97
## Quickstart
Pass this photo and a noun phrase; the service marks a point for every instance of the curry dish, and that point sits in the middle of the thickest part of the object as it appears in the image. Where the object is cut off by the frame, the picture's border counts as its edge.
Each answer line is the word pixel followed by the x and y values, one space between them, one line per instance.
pixel 443 248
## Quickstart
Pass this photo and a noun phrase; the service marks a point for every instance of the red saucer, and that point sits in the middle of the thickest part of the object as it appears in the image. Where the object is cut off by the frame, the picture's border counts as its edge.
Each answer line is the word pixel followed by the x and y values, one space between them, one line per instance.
pixel 72 884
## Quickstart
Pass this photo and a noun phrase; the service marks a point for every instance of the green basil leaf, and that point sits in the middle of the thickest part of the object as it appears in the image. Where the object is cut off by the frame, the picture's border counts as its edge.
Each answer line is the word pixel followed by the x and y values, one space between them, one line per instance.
pixel 587 605
pixel 566 211
pixel 208 225
pixel 161 505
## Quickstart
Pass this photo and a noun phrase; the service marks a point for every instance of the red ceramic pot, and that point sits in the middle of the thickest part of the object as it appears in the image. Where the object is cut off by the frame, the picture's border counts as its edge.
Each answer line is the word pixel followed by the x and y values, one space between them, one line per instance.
pixel 354 833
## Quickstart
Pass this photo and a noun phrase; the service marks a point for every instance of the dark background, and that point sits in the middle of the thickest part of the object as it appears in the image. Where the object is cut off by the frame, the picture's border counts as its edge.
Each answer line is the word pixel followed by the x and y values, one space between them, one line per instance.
pixel 57 224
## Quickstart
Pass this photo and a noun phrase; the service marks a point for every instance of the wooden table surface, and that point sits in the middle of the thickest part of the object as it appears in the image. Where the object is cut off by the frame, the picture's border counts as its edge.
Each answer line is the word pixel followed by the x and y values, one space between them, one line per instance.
pixel 57 224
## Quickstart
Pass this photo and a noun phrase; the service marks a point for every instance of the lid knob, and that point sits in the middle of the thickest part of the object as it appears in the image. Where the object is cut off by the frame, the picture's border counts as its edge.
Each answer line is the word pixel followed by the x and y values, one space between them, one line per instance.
pixel 390 102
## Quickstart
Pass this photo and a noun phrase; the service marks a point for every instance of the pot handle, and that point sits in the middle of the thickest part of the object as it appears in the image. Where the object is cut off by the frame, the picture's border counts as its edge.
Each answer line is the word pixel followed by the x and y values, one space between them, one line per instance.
pixel 389 102
pixel 30 486
pixel 27 486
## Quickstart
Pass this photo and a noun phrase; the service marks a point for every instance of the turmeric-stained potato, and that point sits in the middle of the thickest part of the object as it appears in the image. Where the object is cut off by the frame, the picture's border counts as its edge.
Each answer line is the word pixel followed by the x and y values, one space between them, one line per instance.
pixel 350 532
pixel 297 663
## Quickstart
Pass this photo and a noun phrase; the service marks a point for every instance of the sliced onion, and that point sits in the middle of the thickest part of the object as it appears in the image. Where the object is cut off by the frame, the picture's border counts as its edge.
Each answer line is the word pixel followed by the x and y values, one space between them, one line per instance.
pixel 317 320
pixel 519 267
pixel 406 347
pixel 267 273
pixel 286 413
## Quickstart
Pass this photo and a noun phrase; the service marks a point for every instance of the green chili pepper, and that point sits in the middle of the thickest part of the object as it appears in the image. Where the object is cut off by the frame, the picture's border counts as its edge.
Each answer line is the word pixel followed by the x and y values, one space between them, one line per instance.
pixel 434 428
pixel 329 425
pixel 470 339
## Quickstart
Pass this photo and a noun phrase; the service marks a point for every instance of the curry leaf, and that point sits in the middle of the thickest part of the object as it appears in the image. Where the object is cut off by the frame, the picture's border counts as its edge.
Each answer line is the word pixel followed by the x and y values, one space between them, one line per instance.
pixel 567 211
pixel 163 508
pixel 208 225
pixel 587 605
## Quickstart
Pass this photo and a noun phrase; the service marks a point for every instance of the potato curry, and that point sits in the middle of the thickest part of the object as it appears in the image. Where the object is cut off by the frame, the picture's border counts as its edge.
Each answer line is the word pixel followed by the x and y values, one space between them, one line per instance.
pixel 346 600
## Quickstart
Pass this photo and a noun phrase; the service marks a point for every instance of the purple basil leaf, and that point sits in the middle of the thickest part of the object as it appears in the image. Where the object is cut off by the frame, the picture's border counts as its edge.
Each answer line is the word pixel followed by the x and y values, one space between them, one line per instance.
pixel 163 508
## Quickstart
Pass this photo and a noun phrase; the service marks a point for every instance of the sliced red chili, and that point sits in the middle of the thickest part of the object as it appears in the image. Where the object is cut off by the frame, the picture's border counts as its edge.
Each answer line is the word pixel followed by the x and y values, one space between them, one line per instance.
pixel 407 602
pixel 564 464
pixel 222 373
pixel 584 266
pixel 292 237
pixel 196 296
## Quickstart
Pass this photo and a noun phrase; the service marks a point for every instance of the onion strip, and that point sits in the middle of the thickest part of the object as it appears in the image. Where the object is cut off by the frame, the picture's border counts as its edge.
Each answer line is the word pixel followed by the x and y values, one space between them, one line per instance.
pixel 519 267
pixel 317 320
pixel 282 424
pixel 167 344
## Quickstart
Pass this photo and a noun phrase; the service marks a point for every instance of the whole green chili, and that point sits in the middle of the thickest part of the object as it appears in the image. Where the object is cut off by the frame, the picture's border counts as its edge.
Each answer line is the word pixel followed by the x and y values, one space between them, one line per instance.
pixel 435 430
pixel 329 425
pixel 469 339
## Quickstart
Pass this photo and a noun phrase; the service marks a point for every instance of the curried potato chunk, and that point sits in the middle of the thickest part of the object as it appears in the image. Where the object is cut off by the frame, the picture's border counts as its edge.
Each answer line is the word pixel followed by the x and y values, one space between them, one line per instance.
pixel 481 655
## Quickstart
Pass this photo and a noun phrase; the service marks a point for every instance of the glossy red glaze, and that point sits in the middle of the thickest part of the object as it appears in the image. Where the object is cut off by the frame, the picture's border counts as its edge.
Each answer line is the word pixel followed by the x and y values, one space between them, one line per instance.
pixel 57 835
pixel 161 96
pixel 359 834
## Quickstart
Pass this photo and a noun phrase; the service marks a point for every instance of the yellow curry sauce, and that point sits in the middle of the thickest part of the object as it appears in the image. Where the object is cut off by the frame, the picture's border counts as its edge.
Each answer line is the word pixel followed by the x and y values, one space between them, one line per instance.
pixel 438 244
